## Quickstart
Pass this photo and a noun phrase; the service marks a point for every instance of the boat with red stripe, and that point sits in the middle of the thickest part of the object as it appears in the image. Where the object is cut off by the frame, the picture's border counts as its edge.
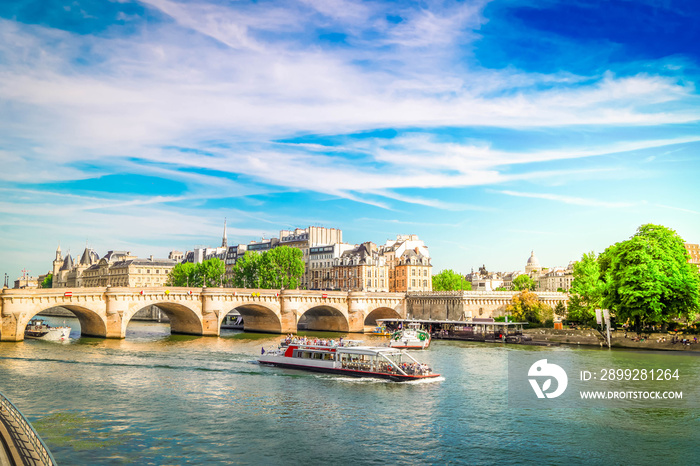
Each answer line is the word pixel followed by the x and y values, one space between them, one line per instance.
pixel 350 359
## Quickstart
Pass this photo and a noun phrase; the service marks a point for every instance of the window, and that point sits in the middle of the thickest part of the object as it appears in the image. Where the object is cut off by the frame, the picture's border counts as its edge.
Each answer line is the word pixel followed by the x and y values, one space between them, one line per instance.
pixel 369 282
pixel 425 283
pixel 413 283
pixel 413 272
pixel 425 272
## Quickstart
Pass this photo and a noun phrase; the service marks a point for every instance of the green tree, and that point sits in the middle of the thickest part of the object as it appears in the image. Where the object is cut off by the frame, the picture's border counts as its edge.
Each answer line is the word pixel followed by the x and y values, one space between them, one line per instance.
pixel 448 280
pixel 526 306
pixel 287 267
pixel 281 267
pixel 523 282
pixel 47 282
pixel 183 274
pixel 560 309
pixel 648 279
pixel 210 273
pixel 586 290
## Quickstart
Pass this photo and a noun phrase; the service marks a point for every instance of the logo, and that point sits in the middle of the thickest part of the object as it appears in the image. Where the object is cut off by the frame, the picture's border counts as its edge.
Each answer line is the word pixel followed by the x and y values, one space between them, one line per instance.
pixel 543 369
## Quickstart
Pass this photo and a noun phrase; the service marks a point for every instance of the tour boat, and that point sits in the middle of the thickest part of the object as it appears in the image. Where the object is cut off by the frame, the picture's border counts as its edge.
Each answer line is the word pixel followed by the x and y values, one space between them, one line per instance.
pixel 38 329
pixel 348 358
pixel 411 337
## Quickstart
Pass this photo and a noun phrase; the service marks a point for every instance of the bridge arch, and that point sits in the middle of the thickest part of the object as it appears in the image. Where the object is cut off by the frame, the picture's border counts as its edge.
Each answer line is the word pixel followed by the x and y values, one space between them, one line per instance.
pixel 92 323
pixel 256 318
pixel 183 319
pixel 323 317
pixel 381 313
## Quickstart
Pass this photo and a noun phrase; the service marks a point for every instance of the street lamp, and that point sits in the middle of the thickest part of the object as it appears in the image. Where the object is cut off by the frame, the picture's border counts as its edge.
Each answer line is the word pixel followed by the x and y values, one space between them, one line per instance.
pixel 349 280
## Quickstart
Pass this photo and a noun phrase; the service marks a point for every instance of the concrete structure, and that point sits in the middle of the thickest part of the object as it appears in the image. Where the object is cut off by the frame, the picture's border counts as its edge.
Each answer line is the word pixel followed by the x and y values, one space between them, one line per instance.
pixel 465 305
pixel 106 312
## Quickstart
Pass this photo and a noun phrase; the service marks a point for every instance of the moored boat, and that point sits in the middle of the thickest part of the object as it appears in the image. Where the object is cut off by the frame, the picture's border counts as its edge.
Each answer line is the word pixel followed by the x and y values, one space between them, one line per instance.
pixel 410 337
pixel 349 359
pixel 40 330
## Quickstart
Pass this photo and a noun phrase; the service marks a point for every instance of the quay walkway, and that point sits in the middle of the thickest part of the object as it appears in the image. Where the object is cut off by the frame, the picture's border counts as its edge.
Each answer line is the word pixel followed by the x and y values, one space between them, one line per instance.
pixel 20 445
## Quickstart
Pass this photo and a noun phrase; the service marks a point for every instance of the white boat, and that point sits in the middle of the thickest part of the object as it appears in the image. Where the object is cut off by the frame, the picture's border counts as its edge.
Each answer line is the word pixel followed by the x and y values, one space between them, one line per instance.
pixel 40 330
pixel 410 337
pixel 348 359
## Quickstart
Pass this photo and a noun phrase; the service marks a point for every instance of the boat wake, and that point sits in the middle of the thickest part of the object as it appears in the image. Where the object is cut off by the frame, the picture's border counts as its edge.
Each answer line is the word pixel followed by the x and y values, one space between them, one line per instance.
pixel 424 381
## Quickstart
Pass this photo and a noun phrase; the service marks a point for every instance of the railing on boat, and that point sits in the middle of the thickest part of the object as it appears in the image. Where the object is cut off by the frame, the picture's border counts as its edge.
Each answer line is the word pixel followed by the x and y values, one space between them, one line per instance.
pixel 22 436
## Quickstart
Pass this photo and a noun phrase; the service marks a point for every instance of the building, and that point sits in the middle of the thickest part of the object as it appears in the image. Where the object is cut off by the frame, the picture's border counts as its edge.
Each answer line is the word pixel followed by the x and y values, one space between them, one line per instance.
pixel 116 268
pixel 361 268
pixel 409 264
pixel 490 281
pixel 694 253
pixel 322 262
pixel 67 273
pixel 307 238
pixel 412 272
pixel 556 279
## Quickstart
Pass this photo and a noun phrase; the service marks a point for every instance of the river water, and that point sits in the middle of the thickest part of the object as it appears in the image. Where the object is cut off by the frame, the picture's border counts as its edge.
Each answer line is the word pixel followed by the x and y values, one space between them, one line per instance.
pixel 156 398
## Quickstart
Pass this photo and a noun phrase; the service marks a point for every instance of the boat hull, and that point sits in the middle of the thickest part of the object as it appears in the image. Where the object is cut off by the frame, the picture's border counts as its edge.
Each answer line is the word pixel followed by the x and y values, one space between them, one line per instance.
pixel 349 372
pixel 53 334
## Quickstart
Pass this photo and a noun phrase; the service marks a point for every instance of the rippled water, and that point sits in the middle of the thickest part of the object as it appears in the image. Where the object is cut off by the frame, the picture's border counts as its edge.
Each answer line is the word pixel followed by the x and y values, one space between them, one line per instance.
pixel 160 399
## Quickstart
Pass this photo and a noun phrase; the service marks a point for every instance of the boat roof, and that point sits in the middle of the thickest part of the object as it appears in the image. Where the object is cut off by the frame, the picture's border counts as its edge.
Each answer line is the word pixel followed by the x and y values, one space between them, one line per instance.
pixel 350 349
pixel 457 322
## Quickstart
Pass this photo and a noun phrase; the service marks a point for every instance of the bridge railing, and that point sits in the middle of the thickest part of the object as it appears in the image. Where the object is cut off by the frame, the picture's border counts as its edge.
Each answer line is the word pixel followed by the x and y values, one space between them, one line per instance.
pixel 27 442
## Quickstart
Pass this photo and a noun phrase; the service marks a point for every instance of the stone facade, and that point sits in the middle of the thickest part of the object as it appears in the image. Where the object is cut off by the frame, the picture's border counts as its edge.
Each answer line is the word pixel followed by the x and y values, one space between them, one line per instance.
pixel 116 268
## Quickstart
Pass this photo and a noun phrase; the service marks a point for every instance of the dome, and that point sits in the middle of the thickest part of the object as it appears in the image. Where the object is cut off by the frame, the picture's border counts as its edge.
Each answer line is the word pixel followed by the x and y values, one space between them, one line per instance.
pixel 533 261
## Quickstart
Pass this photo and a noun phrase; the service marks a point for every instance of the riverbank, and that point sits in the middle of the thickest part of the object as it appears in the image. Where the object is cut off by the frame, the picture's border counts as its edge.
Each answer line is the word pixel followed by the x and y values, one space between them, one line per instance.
pixel 590 337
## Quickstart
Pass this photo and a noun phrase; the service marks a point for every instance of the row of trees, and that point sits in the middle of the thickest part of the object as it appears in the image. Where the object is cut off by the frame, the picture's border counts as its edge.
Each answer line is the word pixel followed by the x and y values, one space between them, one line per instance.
pixel 281 267
pixel 646 280
pixel 208 273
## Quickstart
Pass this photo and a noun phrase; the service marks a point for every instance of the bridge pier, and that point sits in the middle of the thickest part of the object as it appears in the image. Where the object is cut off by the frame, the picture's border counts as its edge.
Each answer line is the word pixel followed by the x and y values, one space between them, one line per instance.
pixel 357 307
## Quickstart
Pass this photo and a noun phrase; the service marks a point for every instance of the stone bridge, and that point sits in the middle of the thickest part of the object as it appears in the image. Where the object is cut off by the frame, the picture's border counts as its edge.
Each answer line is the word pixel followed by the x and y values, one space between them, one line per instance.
pixel 460 305
pixel 106 312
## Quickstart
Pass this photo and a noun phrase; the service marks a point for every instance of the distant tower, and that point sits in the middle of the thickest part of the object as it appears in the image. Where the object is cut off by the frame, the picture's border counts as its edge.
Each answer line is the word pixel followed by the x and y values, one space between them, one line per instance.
pixel 224 241
pixel 57 262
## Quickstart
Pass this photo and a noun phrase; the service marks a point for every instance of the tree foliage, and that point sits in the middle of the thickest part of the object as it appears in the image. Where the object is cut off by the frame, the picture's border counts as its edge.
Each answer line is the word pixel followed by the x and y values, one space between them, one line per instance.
pixel 526 306
pixel 448 280
pixel 47 282
pixel 648 279
pixel 281 267
pixel 523 282
pixel 209 273
pixel 586 290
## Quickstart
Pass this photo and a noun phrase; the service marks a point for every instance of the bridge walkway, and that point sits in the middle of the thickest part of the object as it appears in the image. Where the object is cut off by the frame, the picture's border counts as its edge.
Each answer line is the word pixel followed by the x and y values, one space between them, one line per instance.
pixel 19 442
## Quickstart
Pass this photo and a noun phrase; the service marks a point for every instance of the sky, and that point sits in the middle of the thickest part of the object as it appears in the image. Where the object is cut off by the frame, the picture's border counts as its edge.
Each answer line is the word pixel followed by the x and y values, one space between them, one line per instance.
pixel 488 128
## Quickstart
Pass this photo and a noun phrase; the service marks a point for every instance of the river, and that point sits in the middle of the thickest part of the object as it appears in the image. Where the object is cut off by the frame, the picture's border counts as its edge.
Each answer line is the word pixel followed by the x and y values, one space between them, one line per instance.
pixel 156 398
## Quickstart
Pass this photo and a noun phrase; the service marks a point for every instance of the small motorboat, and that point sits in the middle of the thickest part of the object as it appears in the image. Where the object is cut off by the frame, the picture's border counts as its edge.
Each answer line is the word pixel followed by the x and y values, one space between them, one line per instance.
pixel 410 337
pixel 40 330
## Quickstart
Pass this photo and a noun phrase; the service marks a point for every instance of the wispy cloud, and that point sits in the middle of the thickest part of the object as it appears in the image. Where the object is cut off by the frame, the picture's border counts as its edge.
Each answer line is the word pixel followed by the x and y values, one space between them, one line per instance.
pixel 572 200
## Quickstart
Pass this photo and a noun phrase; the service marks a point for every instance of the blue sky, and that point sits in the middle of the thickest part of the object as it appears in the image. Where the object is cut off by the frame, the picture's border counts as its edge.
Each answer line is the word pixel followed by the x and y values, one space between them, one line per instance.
pixel 488 128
